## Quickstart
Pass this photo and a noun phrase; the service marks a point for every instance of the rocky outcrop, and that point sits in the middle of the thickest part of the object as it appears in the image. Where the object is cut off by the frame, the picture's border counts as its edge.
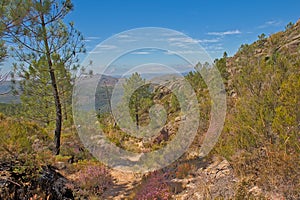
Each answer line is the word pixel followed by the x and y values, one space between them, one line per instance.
pixel 285 42
pixel 216 180
pixel 52 184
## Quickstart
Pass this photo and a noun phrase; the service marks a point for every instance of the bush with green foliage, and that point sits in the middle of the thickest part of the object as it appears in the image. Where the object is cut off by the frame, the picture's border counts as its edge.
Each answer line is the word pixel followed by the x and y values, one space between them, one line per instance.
pixel 261 134
pixel 20 139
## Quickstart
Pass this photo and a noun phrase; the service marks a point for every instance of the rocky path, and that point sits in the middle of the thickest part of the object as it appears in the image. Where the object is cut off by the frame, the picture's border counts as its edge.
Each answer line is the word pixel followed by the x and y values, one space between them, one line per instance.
pixel 125 182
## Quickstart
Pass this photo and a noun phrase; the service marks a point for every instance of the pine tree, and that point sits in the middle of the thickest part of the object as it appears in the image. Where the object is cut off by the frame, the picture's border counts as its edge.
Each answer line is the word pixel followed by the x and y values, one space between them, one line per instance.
pixel 139 98
pixel 45 44
pixel 11 13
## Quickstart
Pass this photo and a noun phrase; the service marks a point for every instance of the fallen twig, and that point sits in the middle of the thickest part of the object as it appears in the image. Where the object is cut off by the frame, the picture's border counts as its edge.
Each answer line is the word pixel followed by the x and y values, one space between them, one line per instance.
pixel 10 181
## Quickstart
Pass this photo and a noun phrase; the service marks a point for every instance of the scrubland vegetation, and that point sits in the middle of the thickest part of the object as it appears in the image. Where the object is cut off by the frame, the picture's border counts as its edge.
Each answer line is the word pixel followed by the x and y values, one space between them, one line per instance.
pixel 42 157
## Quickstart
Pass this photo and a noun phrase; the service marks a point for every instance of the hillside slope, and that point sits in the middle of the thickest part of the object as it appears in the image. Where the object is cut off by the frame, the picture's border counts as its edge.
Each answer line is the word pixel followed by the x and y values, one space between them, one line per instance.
pixel 262 132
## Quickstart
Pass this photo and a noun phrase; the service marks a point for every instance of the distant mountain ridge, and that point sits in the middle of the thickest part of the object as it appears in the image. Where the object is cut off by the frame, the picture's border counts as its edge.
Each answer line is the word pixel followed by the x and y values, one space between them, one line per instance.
pixel 9 97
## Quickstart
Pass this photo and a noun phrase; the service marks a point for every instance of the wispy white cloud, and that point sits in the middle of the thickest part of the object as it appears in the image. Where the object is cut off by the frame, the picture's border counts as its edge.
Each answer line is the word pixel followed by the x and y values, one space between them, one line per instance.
pixel 209 40
pixel 218 46
pixel 188 52
pixel 95 52
pixel 183 40
pixel 215 49
pixel 179 44
pixel 106 47
pixel 171 34
pixel 271 23
pixel 129 40
pixel 126 38
pixel 217 52
pixel 92 38
pixel 169 52
pixel 187 43
pixel 123 36
pixel 231 32
pixel 141 53
pixel 181 52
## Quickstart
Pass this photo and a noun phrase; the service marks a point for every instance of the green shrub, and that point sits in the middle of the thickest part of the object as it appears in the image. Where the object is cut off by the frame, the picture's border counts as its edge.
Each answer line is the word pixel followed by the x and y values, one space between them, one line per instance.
pixel 19 138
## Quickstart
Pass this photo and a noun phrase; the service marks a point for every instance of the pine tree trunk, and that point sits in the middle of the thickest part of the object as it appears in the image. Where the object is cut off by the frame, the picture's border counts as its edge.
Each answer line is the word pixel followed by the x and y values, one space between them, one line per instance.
pixel 58 120
pixel 58 109
pixel 137 115
pixel 137 121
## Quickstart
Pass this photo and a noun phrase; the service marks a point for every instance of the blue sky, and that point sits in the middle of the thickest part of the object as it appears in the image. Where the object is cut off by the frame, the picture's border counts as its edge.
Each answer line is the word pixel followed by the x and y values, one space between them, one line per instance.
pixel 218 25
